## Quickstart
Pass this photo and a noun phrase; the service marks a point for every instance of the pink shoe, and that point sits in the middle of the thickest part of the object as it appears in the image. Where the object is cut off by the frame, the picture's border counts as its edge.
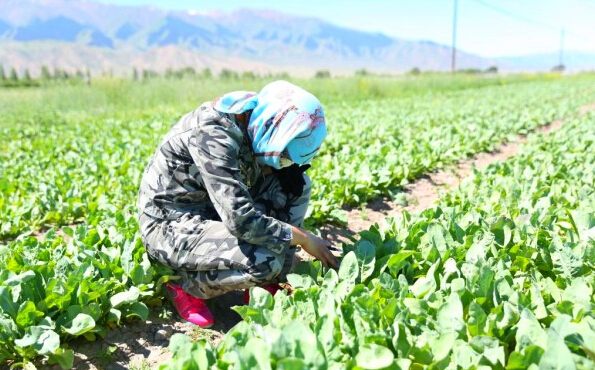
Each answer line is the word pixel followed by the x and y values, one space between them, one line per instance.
pixel 192 309
pixel 271 288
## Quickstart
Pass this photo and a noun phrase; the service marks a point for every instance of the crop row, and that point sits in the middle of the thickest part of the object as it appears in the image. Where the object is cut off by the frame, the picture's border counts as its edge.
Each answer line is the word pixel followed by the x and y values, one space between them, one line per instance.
pixel 378 146
pixel 57 170
pixel 80 280
pixel 76 283
pixel 501 274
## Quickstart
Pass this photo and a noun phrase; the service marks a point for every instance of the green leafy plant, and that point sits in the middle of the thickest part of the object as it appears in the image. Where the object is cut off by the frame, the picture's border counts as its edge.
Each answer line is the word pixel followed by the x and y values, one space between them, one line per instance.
pixel 500 275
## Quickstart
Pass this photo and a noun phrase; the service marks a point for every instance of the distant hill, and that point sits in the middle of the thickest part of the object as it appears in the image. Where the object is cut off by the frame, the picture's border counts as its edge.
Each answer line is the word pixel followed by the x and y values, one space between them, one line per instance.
pixel 103 37
pixel 573 60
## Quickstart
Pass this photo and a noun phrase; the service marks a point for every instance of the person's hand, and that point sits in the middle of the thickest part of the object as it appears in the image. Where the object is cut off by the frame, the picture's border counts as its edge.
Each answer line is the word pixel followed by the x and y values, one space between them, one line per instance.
pixel 314 246
pixel 319 249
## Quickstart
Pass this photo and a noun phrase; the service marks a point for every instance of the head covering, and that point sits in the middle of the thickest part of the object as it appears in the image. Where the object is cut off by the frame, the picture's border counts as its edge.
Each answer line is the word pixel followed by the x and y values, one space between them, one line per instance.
pixel 284 117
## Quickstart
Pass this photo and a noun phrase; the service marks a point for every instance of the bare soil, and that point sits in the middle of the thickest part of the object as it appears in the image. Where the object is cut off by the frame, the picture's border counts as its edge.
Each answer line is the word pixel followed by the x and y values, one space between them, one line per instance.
pixel 143 345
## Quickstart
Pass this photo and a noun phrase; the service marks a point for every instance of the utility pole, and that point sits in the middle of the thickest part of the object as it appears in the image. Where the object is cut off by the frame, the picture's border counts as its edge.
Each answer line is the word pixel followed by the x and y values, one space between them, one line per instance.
pixel 454 38
pixel 561 64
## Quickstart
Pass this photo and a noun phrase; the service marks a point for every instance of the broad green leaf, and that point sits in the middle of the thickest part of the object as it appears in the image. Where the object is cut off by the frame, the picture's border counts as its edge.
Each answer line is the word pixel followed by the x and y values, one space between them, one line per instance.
pixel 256 355
pixel 62 357
pixel 310 268
pixel 81 324
pixel 397 261
pixel 450 315
pixel 521 361
pixel 567 261
pixel 6 303
pixel 298 341
pixel 44 341
pixel 557 355
pixel 426 284
pixel 137 309
pixel 331 278
pixel 373 356
pixel 476 322
pixel 300 281
pixel 441 344
pixel 292 363
pixel 348 271
pixel 129 297
pixel 502 231
pixel 28 315
pixel 480 248
pixel 260 298
pixel 20 278
pixel 579 293
pixel 8 328
pixel 464 356
pixel 177 341
pixel 529 332
pixel 401 340
pixel 489 348
pixel 366 253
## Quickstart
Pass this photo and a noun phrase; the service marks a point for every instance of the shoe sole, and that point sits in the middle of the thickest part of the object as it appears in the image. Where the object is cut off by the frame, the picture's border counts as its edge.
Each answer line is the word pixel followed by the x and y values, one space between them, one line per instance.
pixel 200 326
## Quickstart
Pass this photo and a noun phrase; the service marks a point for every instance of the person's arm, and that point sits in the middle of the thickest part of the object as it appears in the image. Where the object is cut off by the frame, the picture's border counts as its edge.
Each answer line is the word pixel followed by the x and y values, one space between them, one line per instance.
pixel 215 149
pixel 314 246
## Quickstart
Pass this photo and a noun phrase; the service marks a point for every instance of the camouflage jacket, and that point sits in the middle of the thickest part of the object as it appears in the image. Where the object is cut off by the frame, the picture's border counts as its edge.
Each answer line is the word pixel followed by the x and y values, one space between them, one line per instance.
pixel 205 166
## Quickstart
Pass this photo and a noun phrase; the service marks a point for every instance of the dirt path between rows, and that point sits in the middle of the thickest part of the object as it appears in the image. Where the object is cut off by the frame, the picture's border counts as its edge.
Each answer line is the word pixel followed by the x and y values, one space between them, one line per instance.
pixel 143 346
pixel 424 192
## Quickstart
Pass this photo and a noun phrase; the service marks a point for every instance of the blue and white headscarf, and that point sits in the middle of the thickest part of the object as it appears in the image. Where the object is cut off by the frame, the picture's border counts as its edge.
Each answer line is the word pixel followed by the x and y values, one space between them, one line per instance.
pixel 284 117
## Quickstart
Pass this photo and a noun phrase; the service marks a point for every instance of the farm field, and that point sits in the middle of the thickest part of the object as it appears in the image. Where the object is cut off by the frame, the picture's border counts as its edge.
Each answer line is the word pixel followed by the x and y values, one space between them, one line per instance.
pixel 500 274
pixel 497 275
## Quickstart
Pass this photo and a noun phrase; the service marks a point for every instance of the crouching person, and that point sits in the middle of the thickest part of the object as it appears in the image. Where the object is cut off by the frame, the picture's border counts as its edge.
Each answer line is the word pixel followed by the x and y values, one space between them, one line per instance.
pixel 224 196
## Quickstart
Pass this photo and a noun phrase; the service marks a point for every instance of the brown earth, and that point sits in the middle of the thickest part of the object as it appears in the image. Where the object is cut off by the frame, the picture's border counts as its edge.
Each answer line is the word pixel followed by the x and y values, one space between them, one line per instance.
pixel 143 346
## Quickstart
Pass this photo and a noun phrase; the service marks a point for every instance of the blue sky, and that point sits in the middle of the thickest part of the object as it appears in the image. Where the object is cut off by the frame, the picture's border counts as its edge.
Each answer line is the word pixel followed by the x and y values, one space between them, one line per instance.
pixel 485 27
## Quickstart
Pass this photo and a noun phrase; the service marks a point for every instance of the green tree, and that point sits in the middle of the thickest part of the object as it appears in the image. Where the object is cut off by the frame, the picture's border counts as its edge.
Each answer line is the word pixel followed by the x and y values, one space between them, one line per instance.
pixel 227 74
pixel 45 73
pixel 415 71
pixel 13 74
pixel 206 73
pixel 148 73
pixel 248 75
pixel 135 74
pixel 189 71
pixel 27 75
pixel 2 75
pixel 322 74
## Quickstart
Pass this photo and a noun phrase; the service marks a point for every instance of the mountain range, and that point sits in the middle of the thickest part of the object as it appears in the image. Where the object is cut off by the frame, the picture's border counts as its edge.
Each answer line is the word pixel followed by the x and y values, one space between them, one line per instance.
pixel 75 34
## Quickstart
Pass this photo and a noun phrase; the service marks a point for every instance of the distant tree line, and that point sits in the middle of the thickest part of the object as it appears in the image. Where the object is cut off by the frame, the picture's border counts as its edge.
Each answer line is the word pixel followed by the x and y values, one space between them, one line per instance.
pixel 206 73
pixel 472 71
pixel 13 79
pixel 10 77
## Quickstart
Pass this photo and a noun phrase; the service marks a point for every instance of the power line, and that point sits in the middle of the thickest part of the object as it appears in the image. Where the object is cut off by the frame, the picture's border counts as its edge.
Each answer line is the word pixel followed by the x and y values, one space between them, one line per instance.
pixel 509 14
pixel 515 16
pixel 524 19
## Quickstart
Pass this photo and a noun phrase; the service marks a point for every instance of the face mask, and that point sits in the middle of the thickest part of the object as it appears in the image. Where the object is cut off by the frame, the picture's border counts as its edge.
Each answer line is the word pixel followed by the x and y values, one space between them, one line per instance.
pixel 284 162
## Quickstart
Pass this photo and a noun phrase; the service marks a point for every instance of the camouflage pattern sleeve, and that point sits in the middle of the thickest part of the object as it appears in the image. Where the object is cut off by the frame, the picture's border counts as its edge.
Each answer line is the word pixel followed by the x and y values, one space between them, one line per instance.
pixel 215 149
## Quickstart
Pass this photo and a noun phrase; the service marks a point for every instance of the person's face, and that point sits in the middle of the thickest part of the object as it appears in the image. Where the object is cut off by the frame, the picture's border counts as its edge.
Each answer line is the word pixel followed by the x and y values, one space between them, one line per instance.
pixel 285 160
